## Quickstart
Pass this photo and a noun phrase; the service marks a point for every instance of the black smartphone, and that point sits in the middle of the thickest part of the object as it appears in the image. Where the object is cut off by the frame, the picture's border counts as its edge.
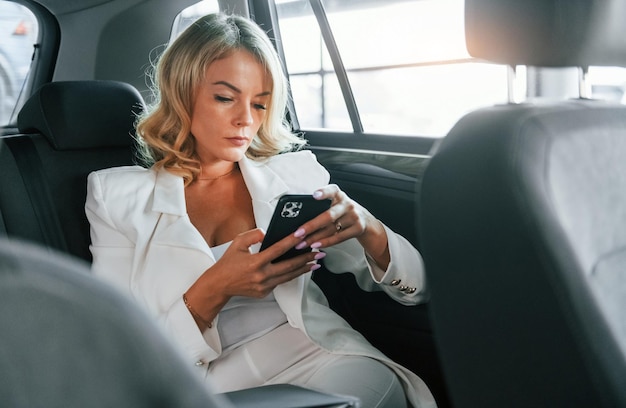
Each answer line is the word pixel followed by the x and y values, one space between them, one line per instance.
pixel 291 212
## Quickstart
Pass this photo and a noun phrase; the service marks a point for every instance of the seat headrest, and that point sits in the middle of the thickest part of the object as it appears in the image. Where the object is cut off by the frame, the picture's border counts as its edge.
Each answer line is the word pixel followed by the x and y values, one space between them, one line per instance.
pixel 548 33
pixel 82 114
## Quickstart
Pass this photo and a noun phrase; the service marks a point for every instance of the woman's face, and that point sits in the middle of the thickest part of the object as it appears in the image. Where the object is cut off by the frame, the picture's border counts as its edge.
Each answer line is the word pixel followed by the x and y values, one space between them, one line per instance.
pixel 230 107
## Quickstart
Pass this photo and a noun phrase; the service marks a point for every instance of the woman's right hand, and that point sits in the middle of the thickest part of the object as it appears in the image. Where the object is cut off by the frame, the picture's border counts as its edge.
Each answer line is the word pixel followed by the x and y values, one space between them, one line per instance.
pixel 241 273
pixel 254 275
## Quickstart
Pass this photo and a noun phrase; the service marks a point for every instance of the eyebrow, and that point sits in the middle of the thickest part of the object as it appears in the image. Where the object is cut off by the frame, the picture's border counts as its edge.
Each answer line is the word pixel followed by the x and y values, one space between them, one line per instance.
pixel 234 88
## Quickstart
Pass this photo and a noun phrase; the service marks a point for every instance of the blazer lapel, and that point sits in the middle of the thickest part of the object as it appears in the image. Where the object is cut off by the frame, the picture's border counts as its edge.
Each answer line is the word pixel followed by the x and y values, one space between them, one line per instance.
pixel 266 187
pixel 174 228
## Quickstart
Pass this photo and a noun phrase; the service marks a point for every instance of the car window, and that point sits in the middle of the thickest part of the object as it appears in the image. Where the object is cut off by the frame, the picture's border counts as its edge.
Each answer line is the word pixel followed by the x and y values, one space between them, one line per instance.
pixel 18 34
pixel 608 83
pixel 405 60
pixel 407 67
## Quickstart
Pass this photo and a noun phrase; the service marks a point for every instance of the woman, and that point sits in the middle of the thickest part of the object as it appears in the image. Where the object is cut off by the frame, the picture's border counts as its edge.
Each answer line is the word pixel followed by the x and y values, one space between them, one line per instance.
pixel 182 237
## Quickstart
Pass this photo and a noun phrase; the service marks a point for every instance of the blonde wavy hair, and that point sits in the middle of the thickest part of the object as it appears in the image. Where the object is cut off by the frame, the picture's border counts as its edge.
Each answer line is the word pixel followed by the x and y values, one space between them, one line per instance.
pixel 164 130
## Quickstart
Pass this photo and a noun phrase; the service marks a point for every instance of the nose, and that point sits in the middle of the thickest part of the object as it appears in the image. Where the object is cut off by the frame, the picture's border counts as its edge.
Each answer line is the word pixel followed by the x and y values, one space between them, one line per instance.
pixel 244 116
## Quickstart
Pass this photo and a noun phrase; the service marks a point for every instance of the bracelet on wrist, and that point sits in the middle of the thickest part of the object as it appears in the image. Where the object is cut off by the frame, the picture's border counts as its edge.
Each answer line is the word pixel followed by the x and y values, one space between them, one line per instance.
pixel 193 312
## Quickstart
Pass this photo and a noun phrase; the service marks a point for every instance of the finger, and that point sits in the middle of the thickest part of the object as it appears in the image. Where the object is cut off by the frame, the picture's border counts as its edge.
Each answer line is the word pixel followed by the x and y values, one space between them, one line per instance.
pixel 280 247
pixel 329 191
pixel 346 227
pixel 349 220
pixel 323 224
pixel 339 227
pixel 246 239
pixel 332 232
pixel 289 271
pixel 341 203
pixel 315 226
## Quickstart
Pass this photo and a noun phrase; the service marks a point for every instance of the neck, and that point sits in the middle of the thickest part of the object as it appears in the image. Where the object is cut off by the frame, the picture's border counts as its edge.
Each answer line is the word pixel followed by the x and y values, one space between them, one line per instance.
pixel 204 177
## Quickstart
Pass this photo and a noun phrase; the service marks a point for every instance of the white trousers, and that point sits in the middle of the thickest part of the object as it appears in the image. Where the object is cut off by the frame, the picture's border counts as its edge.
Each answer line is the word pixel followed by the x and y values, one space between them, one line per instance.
pixel 286 355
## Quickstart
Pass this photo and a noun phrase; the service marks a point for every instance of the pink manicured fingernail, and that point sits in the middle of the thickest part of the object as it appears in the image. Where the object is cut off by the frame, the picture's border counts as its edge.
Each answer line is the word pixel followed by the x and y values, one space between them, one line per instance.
pixel 316 245
pixel 317 194
pixel 299 233
pixel 319 255
pixel 315 267
pixel 301 245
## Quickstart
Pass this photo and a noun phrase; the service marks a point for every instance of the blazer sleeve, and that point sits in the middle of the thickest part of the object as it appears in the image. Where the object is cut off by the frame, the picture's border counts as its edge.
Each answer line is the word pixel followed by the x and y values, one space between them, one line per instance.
pixel 111 248
pixel 404 280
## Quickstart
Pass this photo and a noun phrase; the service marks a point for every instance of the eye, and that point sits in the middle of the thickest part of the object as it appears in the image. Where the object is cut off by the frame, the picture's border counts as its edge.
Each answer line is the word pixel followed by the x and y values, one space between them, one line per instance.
pixel 223 99
pixel 260 106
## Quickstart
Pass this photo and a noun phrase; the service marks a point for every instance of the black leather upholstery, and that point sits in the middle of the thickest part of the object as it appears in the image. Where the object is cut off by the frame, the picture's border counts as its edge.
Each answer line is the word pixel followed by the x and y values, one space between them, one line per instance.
pixel 75 127
pixel 523 211
pixel 523 215
pixel 76 115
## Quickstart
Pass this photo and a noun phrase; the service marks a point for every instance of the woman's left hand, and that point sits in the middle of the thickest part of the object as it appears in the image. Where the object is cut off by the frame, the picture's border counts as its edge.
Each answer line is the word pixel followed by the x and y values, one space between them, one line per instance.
pixel 345 219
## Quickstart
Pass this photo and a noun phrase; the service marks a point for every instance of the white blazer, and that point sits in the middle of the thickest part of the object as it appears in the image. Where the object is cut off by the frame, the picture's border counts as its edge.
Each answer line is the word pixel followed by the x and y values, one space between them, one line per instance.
pixel 144 243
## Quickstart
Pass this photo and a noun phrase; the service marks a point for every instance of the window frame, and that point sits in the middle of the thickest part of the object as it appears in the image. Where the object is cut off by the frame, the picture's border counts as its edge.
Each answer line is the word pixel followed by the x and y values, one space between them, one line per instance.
pixel 265 14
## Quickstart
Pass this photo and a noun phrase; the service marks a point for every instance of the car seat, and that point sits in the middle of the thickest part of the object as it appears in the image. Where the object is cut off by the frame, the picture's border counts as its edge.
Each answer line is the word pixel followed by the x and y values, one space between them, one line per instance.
pixel 523 209
pixel 68 129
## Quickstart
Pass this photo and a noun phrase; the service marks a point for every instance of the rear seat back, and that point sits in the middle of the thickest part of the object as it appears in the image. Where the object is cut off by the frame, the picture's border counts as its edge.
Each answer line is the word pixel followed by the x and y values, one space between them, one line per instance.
pixel 68 129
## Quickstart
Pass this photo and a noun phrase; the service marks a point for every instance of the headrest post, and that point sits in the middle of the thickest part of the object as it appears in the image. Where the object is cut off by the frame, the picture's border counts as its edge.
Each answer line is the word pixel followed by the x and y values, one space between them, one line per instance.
pixel 513 85
pixel 584 85
pixel 510 82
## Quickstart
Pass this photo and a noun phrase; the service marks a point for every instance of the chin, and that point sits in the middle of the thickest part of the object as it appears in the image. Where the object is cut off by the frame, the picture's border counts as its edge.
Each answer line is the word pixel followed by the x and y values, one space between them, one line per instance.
pixel 235 156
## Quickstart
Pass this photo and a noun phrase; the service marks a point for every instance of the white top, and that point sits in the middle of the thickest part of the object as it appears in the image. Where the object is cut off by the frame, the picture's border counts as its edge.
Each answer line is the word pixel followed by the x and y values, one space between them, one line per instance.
pixel 242 318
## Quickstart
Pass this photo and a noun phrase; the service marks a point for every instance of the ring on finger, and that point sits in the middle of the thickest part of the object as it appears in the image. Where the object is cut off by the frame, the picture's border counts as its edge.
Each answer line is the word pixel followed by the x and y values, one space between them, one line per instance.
pixel 338 226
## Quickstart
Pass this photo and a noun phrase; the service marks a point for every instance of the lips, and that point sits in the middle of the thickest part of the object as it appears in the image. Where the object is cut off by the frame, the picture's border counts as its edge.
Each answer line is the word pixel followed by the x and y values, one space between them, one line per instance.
pixel 238 140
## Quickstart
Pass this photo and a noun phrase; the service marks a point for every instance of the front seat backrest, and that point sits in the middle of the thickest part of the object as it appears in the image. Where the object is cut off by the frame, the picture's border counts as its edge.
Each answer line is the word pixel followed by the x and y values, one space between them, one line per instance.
pixel 523 224
pixel 69 340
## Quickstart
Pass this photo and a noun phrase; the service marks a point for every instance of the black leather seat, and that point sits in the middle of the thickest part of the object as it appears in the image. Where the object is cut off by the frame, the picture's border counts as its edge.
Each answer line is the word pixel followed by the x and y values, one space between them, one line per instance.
pixel 68 130
pixel 523 223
